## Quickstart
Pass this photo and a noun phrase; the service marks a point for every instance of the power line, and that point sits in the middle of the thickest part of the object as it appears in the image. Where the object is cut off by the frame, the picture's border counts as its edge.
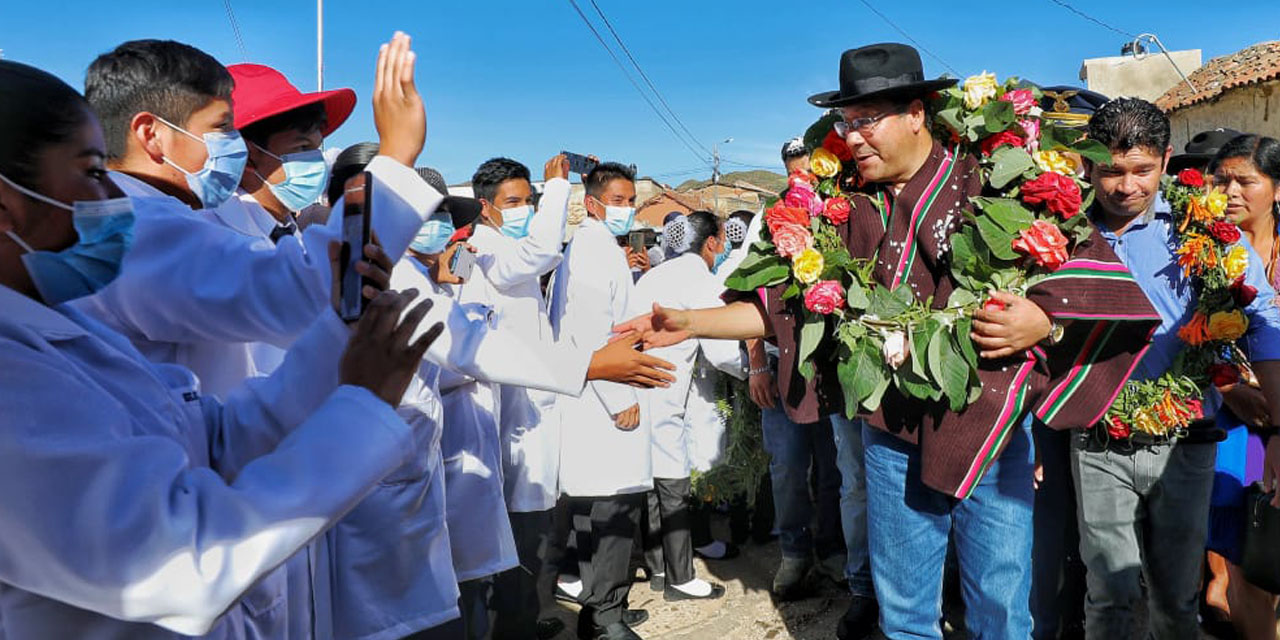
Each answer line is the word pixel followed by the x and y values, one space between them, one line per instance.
pixel 235 28
pixel 908 37
pixel 1092 19
pixel 647 80
pixel 630 79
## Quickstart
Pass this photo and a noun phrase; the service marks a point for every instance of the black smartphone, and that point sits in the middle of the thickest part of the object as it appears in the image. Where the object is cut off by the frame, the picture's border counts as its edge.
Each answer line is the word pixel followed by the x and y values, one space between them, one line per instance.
pixel 579 164
pixel 462 263
pixel 636 240
pixel 355 235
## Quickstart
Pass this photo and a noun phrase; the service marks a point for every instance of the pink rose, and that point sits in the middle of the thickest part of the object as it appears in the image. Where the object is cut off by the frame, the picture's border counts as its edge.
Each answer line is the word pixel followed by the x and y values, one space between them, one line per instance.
pixel 1032 129
pixel 802 196
pixel 791 240
pixel 1022 100
pixel 824 297
pixel 1044 242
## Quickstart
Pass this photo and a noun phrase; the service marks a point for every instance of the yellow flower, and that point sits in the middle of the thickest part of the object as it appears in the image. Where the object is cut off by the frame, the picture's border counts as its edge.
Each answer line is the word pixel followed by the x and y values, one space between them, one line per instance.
pixel 1056 162
pixel 1236 262
pixel 1216 202
pixel 1145 420
pixel 1227 325
pixel 979 90
pixel 824 163
pixel 807 266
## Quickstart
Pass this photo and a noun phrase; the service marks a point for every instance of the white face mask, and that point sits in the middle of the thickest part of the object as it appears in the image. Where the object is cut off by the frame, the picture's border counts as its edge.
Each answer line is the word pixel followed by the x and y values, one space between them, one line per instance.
pixel 618 220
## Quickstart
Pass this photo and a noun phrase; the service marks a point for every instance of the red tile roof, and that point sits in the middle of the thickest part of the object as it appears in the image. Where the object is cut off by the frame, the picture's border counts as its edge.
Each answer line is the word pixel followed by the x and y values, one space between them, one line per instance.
pixel 1258 63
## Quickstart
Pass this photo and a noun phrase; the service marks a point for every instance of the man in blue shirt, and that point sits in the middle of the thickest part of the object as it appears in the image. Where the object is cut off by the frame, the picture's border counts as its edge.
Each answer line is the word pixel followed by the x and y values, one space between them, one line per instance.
pixel 1143 503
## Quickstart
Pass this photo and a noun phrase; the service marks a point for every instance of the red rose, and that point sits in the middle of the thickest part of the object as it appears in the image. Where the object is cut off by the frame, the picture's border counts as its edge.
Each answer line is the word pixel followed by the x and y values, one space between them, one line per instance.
pixel 835 144
pixel 1022 100
pixel 1196 408
pixel 1242 293
pixel 825 296
pixel 1222 375
pixel 1190 178
pixel 1117 429
pixel 1044 242
pixel 1004 137
pixel 803 174
pixel 1056 192
pixel 837 210
pixel 993 305
pixel 1224 231
pixel 781 214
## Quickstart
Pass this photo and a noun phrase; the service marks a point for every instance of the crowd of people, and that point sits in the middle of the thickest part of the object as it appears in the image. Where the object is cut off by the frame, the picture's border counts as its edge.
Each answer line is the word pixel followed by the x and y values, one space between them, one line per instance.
pixel 199 440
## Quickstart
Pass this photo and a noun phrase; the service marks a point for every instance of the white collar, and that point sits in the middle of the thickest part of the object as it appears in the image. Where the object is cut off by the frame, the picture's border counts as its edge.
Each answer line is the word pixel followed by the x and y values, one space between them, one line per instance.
pixel 136 188
pixel 37 316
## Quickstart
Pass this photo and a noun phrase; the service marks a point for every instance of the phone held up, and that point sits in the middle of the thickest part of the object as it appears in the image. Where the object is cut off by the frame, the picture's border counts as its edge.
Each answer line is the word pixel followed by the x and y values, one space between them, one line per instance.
pixel 464 260
pixel 355 235
pixel 578 163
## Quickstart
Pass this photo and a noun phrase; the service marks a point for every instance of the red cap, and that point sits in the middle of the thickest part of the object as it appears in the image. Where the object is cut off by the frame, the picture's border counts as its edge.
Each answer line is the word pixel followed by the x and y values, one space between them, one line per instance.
pixel 262 92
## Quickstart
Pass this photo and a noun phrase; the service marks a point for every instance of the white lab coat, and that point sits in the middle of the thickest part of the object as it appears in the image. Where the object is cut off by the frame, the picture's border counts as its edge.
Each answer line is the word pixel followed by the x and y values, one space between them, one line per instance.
pixel 127 497
pixel 683 282
pixel 508 279
pixel 591 292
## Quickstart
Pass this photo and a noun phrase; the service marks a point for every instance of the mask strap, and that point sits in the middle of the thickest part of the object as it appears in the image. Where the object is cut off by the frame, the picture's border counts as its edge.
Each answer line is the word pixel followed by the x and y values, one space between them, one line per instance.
pixel 265 151
pixel 14 237
pixel 178 129
pixel 36 196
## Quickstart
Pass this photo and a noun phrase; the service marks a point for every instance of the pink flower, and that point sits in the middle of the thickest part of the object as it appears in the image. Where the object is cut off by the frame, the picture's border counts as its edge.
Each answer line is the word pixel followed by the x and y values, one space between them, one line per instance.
pixel 801 195
pixel 1044 242
pixel 825 296
pixel 1032 128
pixel 791 240
pixel 1022 100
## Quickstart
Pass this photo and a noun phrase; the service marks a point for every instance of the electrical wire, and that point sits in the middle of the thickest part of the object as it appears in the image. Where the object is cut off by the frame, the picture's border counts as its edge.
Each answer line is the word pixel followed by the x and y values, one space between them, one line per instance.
pixel 1092 19
pixel 630 79
pixel 235 28
pixel 908 37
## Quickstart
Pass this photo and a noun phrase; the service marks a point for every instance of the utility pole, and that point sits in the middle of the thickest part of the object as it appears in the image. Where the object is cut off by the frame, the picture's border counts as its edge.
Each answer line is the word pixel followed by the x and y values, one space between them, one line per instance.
pixel 715 175
pixel 319 45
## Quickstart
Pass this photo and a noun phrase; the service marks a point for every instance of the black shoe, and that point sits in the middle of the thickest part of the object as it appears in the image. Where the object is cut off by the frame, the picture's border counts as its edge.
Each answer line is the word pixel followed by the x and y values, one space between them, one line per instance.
pixel 548 628
pixel 658 582
pixel 859 620
pixel 731 551
pixel 635 617
pixel 587 630
pixel 617 631
pixel 672 594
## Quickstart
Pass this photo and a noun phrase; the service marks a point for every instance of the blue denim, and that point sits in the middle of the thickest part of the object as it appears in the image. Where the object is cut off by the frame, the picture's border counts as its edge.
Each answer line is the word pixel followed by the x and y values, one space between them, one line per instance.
pixel 853 503
pixel 909 528
pixel 793 449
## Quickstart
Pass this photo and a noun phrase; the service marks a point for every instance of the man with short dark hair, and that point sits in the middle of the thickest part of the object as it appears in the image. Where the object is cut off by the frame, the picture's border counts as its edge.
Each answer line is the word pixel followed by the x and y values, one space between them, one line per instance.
pixel 1144 501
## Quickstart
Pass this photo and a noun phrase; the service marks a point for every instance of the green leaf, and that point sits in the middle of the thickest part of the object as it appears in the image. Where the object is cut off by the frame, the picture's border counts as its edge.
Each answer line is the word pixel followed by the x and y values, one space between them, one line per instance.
pixel 1006 212
pixel 810 337
pixel 951 118
pixel 916 386
pixel 997 116
pixel 961 298
pixel 862 372
pixel 999 241
pixel 964 343
pixel 921 334
pixel 757 260
pixel 763 278
pixel 1092 150
pixel 953 371
pixel 792 291
pixel 1010 163
pixel 884 304
pixel 856 297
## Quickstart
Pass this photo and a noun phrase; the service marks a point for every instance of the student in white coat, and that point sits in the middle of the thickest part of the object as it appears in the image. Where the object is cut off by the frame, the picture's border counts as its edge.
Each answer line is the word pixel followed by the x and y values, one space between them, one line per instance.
pixel 684 282
pixel 142 509
pixel 196 294
pixel 605 448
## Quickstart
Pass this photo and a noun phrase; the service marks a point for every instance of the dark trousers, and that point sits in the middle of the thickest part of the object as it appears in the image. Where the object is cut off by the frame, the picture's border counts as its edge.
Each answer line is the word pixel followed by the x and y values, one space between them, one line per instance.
pixel 669 535
pixel 1057 572
pixel 604 538
pixel 519 592
pixel 474 623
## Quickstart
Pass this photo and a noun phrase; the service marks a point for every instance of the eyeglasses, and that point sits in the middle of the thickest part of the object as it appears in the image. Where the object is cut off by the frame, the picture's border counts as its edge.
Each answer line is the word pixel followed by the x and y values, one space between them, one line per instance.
pixel 861 125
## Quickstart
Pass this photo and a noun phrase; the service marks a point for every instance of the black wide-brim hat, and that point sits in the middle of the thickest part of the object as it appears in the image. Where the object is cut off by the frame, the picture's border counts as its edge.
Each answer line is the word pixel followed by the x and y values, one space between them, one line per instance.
pixel 879 71
pixel 1201 149
pixel 462 211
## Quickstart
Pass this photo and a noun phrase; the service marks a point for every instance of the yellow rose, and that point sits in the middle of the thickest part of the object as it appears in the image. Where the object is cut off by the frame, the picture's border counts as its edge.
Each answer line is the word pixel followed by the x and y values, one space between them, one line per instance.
pixel 807 266
pixel 1227 325
pixel 979 90
pixel 1236 262
pixel 1216 202
pixel 824 163
pixel 1055 162
pixel 1144 420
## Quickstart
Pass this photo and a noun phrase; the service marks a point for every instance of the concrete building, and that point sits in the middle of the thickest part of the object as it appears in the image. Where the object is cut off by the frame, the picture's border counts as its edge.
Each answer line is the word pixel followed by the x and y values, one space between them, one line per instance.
pixel 1147 76
pixel 1240 91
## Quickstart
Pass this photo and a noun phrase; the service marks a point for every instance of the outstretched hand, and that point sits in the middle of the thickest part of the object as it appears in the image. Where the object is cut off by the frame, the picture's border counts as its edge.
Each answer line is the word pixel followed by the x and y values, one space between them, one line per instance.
pixel 619 361
pixel 661 328
pixel 398 113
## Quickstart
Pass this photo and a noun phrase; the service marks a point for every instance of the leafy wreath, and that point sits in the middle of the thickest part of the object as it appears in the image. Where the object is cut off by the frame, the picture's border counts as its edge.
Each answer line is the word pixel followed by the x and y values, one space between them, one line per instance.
pixel 1017 233
pixel 1210 254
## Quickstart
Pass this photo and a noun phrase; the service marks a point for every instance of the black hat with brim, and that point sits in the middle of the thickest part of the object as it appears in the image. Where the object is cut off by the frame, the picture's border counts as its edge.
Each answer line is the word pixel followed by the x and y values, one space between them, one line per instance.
pixel 1201 149
pixel 885 71
pixel 463 211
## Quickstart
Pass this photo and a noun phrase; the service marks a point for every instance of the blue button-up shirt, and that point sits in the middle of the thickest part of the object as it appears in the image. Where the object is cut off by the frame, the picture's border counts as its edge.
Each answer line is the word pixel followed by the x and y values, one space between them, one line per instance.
pixel 1148 248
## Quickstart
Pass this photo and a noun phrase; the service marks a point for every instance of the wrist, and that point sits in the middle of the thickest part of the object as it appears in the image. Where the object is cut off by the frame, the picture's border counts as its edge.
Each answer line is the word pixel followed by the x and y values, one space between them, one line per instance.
pixel 758 371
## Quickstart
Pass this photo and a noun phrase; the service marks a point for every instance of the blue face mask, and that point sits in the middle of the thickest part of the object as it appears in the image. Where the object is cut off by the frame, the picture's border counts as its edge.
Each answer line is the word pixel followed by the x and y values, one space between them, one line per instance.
pixel 721 257
pixel 105 228
pixel 618 220
pixel 515 221
pixel 434 235
pixel 214 183
pixel 305 177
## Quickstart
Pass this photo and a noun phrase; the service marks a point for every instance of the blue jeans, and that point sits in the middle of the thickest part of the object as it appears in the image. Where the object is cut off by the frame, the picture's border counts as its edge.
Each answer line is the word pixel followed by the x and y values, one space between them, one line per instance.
pixel 909 528
pixel 853 503
pixel 792 448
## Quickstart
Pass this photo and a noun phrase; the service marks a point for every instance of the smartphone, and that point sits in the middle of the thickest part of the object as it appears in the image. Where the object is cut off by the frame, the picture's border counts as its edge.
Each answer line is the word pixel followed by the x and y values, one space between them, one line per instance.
pixel 579 163
pixel 462 263
pixel 355 235
pixel 636 240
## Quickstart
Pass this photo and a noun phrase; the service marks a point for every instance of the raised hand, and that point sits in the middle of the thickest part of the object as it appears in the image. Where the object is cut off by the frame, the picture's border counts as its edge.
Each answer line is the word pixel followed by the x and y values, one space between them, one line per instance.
pixel 398 113
pixel 557 167
pixel 379 356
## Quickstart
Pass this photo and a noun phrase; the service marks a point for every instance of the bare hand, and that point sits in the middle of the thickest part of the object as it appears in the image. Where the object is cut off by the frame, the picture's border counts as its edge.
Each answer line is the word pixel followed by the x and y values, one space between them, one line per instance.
pixel 1248 403
pixel 763 390
pixel 398 113
pixel 629 419
pixel 638 259
pixel 619 361
pixel 557 167
pixel 661 328
pixel 1003 332
pixel 379 356
pixel 440 270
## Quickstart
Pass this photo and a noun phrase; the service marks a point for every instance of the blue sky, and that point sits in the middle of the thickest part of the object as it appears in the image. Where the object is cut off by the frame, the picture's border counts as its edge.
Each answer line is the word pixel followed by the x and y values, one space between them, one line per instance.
pixel 526 79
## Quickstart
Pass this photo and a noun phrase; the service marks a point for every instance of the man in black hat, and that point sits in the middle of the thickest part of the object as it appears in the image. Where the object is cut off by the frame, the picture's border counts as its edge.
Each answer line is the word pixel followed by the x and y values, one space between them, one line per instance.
pixel 1200 149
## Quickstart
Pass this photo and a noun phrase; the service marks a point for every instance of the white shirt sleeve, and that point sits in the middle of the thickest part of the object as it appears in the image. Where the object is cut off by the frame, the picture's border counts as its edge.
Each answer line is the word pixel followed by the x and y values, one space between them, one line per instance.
pixel 538 252
pixel 613 278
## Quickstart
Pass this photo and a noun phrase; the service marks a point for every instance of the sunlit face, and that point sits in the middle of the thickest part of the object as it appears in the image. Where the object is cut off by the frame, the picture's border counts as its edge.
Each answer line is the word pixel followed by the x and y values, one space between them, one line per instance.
pixel 1128 186
pixel 1252 195
pixel 713 247
pixel 188 152
pixel 515 192
pixel 797 164
pixel 619 192
pixel 884 150
pixel 281 144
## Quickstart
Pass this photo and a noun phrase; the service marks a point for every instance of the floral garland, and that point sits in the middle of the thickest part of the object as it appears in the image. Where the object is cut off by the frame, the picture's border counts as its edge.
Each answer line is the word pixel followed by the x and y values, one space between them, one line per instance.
pixel 744 460
pixel 1210 254
pixel 1017 234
